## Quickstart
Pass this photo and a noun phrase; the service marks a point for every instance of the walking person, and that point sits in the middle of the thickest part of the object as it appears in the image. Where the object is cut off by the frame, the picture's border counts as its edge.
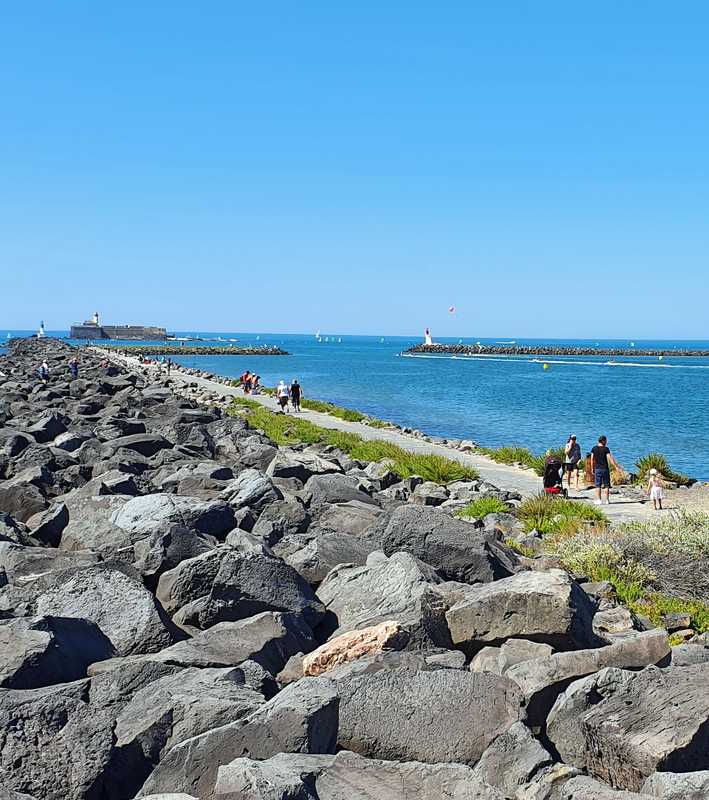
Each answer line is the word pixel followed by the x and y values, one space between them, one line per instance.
pixel 74 367
pixel 169 366
pixel 282 396
pixel 246 382
pixel 654 489
pixel 44 372
pixel 601 461
pixel 255 384
pixel 572 456
pixel 295 395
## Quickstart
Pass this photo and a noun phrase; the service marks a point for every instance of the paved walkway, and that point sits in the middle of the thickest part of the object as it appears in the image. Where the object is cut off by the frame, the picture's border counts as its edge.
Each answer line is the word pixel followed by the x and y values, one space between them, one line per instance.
pixel 510 478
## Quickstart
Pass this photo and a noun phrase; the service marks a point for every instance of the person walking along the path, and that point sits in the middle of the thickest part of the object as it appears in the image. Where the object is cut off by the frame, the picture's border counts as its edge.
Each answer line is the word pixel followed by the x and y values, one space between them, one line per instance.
pixel 572 456
pixel 295 395
pixel 654 489
pixel 74 367
pixel 44 372
pixel 169 366
pixel 282 396
pixel 601 461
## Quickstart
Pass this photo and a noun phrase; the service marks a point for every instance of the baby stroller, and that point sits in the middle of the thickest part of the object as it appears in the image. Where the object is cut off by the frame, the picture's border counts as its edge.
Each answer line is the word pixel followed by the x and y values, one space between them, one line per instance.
pixel 553 477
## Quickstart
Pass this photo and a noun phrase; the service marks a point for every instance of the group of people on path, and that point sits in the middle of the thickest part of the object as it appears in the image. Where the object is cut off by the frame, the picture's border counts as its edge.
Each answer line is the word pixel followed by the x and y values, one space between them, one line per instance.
pixel 251 384
pixel 601 461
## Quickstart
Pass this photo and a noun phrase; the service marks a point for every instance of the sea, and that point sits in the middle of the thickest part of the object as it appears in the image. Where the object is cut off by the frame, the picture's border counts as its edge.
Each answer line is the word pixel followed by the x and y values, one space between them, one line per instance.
pixel 640 404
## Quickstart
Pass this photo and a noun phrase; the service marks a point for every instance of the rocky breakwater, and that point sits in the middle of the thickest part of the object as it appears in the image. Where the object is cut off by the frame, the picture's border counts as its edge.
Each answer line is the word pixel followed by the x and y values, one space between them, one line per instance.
pixel 193 350
pixel 189 611
pixel 548 350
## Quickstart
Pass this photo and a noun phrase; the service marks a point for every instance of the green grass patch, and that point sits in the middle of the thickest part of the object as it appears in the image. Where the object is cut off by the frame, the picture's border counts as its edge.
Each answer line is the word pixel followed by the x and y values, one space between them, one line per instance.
pixel 286 429
pixel 347 414
pixel 520 548
pixel 483 506
pixel 373 422
pixel 659 462
pixel 555 515
pixel 655 605
pixel 514 454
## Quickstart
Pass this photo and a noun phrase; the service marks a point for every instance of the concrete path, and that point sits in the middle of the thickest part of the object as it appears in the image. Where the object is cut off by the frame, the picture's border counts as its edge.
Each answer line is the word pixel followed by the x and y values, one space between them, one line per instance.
pixel 510 478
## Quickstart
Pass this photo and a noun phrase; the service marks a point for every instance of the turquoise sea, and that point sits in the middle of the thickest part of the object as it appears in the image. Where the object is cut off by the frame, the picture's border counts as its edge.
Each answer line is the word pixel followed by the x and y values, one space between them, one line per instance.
pixel 641 404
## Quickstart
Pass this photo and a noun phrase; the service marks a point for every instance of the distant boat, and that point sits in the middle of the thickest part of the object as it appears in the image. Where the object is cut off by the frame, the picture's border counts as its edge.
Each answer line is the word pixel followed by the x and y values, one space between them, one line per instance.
pixel 327 338
pixel 339 340
pixel 511 341
pixel 258 338
pixel 381 341
pixel 317 334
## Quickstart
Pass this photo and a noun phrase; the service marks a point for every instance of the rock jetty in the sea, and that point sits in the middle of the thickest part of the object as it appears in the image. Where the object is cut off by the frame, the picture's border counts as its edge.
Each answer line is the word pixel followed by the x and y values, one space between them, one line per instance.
pixel 189 611
pixel 549 350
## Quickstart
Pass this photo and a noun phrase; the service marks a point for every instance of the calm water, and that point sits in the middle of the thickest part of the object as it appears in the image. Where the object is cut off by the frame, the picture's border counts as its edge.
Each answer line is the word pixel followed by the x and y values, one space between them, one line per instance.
pixel 641 405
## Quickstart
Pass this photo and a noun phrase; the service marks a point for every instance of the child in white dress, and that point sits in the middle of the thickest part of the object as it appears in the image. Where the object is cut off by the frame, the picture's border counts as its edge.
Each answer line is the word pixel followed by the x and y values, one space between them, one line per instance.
pixel 654 489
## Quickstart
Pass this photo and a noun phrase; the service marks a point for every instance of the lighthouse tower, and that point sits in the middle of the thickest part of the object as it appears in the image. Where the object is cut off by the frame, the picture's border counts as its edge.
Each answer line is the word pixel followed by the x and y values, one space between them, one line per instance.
pixel 94 319
pixel 40 332
pixel 427 337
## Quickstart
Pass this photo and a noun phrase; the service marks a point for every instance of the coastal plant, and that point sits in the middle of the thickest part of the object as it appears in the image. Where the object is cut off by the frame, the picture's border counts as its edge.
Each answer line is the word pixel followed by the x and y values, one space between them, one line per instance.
pixel 659 462
pixel 521 549
pixel 550 515
pixel 348 414
pixel 287 429
pixel 514 454
pixel 483 506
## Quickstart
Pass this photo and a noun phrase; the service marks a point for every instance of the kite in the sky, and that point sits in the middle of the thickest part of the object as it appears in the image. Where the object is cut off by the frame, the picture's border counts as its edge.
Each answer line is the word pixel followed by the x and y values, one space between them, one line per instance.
pixel 451 310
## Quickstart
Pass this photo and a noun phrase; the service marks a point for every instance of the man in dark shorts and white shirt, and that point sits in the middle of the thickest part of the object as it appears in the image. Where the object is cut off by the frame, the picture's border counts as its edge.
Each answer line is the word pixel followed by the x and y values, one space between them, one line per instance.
pixel 601 461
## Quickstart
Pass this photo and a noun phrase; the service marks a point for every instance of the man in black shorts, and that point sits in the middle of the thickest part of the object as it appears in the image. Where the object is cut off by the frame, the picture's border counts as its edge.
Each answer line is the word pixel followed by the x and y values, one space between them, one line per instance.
pixel 601 461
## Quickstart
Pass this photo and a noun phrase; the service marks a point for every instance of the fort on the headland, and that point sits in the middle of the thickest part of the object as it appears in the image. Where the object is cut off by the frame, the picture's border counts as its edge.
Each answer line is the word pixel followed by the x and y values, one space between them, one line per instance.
pixel 92 329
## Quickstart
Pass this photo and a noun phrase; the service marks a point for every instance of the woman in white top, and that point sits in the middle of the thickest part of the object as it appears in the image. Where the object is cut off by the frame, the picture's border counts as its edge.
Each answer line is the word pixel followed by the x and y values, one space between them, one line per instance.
pixel 282 395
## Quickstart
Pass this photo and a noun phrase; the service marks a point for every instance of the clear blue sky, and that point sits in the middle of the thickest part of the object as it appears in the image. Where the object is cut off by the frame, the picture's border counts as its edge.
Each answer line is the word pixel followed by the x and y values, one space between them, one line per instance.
pixel 357 167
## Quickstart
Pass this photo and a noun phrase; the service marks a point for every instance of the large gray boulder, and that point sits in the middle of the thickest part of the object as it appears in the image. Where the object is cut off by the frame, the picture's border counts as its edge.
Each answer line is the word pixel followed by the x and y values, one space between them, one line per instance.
pixel 228 584
pixel 267 639
pixel 21 499
pixel 252 489
pixel 57 742
pixel 47 526
pixel 13 531
pixel 543 679
pixel 182 705
pixel 401 589
pixel 354 518
pixel 281 518
pixel 678 786
pixel 512 760
pixel 456 549
pixel 300 465
pixel 90 525
pixel 322 490
pixel 314 554
pixel 164 550
pixel 301 719
pixel 584 788
pixel 147 444
pixel 383 713
pixel 622 726
pixel 143 516
pixel 346 776
pixel 121 607
pixel 547 607
pixel 23 565
pixel 40 651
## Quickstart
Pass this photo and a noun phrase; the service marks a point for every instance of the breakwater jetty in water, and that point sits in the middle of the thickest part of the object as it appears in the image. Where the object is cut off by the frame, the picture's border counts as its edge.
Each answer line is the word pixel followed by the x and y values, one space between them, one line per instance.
pixel 548 350
pixel 196 350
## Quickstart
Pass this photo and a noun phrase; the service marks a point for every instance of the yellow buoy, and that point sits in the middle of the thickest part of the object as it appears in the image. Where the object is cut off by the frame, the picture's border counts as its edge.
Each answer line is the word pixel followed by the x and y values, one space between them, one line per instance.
pixel 545 366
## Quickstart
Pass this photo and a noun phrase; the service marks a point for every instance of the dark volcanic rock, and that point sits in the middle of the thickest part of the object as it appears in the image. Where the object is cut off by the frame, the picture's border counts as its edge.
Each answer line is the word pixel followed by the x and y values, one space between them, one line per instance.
pixel 301 719
pixel 123 609
pixel 40 651
pixel 454 548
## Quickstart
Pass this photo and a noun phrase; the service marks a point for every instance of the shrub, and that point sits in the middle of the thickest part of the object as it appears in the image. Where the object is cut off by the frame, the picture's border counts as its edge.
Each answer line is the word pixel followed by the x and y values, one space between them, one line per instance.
pixel 659 462
pixel 513 454
pixel 482 507
pixel 245 402
pixel 550 514
pixel 528 552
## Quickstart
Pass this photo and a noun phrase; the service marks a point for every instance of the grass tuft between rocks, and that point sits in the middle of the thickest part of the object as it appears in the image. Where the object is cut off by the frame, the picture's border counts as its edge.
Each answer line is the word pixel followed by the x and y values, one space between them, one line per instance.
pixel 285 429
pixel 483 506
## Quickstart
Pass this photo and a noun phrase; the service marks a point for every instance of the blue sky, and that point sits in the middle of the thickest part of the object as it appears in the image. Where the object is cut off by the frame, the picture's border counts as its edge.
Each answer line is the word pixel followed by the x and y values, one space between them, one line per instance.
pixel 358 168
